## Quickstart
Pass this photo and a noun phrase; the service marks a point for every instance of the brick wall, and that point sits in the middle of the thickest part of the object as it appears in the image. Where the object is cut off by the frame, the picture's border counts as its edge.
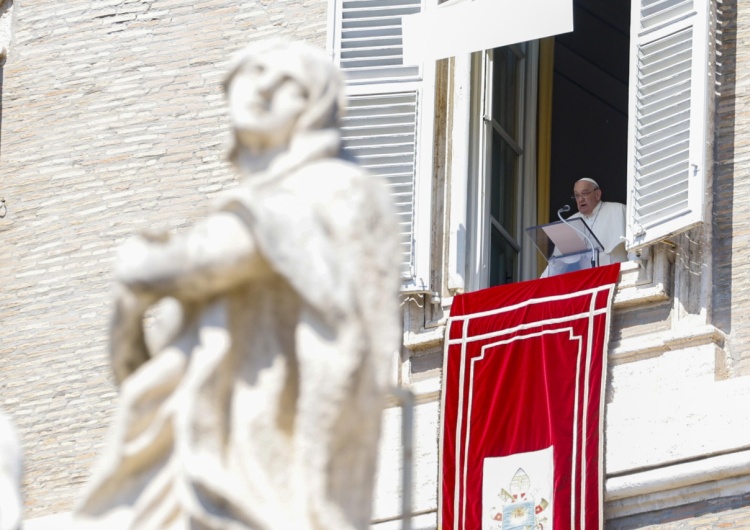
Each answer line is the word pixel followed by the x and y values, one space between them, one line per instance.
pixel 113 121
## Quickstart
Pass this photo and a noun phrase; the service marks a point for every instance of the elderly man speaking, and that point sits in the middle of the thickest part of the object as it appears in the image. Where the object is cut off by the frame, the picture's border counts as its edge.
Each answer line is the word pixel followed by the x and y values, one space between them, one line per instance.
pixel 605 219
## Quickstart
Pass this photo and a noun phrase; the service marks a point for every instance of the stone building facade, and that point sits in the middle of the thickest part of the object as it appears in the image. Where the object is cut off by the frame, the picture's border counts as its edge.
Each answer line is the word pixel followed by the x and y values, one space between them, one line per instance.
pixel 113 121
pixel 677 381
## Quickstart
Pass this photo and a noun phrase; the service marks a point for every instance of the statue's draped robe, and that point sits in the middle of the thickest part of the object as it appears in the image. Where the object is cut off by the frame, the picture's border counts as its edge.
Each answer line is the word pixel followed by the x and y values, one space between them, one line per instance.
pixel 264 411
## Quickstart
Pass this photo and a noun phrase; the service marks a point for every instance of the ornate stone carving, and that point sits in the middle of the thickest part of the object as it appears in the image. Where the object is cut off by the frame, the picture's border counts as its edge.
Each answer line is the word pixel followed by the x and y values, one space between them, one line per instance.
pixel 257 401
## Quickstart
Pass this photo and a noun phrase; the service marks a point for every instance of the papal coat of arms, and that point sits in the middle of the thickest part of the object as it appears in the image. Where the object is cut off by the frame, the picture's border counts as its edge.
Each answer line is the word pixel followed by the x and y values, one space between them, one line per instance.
pixel 521 504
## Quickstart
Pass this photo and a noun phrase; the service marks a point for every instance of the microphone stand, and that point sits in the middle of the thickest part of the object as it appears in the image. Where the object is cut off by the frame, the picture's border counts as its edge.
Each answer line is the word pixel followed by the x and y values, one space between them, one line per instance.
pixel 594 252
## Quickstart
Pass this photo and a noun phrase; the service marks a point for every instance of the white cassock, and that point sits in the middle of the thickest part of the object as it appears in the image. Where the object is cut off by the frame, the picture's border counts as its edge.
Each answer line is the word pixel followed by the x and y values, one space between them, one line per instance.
pixel 607 222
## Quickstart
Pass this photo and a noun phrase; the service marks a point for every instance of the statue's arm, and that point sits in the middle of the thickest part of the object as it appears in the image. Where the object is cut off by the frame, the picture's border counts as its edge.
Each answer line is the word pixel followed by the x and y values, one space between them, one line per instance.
pixel 213 256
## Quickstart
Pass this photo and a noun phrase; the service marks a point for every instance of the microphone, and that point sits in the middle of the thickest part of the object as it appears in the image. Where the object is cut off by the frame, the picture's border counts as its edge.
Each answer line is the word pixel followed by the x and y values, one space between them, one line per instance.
pixel 566 208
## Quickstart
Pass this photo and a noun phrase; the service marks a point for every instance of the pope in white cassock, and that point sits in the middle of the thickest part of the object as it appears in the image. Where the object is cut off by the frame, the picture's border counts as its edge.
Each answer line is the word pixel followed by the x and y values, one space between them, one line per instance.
pixel 605 219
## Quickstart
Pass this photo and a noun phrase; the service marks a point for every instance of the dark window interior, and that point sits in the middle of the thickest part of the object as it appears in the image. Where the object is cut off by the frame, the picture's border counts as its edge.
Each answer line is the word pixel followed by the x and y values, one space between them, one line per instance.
pixel 590 102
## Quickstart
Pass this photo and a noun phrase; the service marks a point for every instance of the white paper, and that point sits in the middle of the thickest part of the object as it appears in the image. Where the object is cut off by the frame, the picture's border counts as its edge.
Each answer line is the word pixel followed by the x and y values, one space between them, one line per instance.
pixel 566 239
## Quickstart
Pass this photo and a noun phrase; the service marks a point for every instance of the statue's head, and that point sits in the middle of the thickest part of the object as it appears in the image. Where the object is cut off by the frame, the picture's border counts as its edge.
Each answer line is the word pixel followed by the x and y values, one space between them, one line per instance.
pixel 277 89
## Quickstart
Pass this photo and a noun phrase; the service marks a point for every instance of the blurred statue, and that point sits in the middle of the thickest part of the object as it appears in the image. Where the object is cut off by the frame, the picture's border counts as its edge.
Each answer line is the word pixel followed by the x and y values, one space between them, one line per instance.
pixel 11 505
pixel 6 28
pixel 257 403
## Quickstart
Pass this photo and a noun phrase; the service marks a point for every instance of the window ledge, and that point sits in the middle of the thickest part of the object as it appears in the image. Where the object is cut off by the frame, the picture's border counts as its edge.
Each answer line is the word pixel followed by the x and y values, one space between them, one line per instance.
pixel 643 281
pixel 635 296
pixel 643 347
pixel 425 338
pixel 678 484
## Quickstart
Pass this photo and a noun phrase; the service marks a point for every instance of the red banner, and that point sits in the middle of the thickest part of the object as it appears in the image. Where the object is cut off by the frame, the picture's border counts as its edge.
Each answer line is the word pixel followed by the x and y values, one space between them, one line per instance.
pixel 523 382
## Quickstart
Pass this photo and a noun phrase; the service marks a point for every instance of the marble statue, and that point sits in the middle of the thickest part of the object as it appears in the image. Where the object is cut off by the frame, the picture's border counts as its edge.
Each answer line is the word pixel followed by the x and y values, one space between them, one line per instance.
pixel 256 401
pixel 11 505
pixel 6 28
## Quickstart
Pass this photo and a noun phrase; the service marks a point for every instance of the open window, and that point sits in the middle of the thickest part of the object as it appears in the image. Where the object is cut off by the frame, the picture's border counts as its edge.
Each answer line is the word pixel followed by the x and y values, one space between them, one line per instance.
pixel 621 99
pixel 569 104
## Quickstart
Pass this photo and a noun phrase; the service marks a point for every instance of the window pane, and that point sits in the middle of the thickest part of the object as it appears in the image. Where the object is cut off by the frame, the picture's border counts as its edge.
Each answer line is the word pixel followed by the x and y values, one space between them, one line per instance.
pixel 504 196
pixel 504 204
pixel 506 88
pixel 503 261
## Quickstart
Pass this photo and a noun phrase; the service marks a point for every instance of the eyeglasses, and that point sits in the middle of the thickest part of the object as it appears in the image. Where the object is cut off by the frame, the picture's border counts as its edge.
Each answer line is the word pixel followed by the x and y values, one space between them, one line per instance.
pixel 583 194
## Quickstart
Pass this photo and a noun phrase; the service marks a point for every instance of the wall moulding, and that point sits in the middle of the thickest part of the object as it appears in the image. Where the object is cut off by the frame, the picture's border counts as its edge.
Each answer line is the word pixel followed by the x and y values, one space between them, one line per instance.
pixel 684 483
pixel 644 280
pixel 655 344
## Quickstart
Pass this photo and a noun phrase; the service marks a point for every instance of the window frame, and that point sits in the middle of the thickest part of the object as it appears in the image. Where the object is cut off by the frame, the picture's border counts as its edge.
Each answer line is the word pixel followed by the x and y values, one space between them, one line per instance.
pixel 698 20
pixel 478 215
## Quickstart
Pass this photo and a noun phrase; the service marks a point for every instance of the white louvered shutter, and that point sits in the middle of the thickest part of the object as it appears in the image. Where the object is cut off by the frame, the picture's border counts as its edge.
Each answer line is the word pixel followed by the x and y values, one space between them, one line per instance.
pixel 667 151
pixel 384 126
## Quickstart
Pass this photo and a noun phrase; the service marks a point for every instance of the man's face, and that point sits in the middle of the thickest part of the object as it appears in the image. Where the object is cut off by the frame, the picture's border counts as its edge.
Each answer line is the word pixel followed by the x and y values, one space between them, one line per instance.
pixel 587 196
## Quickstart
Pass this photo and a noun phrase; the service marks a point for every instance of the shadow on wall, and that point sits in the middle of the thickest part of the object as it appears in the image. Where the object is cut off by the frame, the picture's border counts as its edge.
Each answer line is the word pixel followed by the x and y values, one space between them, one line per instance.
pixel 725 153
